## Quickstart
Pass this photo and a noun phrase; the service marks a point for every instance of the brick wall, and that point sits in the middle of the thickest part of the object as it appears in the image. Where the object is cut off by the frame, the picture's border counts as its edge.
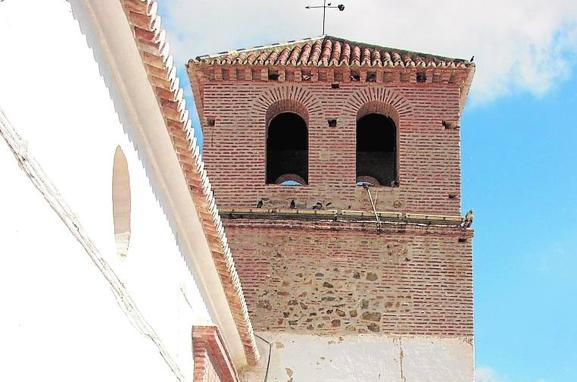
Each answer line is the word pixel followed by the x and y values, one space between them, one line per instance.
pixel 428 153
pixel 343 277
pixel 327 277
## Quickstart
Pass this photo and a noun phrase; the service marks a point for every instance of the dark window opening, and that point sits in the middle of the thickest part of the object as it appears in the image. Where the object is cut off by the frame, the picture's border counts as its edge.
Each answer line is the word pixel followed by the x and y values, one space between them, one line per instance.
pixel 355 76
pixel 335 85
pixel 421 77
pixel 377 150
pixel 306 75
pixel 287 149
pixel 210 122
pixel 273 75
pixel 332 122
pixel 240 74
pixel 371 77
pixel 450 125
pixel 225 75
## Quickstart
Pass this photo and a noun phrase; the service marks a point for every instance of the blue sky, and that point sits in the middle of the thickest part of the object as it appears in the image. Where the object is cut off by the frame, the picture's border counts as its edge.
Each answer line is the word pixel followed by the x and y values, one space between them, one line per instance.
pixel 519 133
pixel 519 167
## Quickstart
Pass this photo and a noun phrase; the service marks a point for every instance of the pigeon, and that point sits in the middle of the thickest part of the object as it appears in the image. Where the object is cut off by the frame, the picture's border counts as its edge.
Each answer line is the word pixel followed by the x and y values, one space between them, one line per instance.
pixel 318 206
pixel 472 59
pixel 259 204
pixel 293 204
pixel 468 221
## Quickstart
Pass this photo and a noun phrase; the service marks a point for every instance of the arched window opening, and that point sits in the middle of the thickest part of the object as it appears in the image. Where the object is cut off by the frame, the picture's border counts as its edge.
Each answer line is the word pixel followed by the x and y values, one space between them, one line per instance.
pixel 376 150
pixel 121 202
pixel 287 150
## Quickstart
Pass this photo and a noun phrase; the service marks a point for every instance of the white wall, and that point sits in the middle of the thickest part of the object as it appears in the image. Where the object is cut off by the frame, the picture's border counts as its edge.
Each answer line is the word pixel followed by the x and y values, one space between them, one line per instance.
pixel 59 320
pixel 349 358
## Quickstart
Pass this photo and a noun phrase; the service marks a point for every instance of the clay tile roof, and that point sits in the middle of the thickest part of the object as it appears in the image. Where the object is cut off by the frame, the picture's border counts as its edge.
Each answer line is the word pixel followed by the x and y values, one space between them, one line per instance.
pixel 329 51
pixel 150 40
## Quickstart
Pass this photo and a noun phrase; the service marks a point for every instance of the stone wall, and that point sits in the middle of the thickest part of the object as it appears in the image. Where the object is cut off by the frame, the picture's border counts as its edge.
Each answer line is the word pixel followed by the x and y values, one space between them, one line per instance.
pixel 337 277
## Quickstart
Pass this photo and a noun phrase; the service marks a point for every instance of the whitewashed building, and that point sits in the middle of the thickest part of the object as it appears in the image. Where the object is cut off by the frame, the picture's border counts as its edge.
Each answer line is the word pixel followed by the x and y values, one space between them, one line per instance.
pixel 114 262
pixel 109 255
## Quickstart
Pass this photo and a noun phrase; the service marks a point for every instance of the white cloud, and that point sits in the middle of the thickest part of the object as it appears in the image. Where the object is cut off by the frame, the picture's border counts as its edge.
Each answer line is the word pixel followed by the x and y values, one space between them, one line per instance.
pixel 519 45
pixel 486 374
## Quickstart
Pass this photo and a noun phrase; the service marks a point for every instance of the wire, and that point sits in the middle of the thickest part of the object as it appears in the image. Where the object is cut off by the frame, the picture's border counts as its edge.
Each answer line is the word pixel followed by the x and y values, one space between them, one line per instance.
pixel 269 353
pixel 366 187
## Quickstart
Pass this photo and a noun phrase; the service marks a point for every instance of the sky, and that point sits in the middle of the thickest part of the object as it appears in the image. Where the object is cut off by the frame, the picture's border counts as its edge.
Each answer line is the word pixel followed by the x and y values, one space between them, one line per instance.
pixel 518 137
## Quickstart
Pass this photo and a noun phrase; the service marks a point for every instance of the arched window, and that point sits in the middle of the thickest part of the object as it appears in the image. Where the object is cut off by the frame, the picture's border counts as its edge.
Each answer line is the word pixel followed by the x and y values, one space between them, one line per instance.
pixel 376 150
pixel 121 202
pixel 287 154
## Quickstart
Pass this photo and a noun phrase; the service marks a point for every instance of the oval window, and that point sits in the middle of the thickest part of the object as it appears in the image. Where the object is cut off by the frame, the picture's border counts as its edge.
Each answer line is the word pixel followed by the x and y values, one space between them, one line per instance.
pixel 121 202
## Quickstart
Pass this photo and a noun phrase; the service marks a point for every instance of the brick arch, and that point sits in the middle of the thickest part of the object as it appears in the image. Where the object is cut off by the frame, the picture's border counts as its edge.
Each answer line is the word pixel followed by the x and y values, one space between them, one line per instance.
pixel 379 100
pixel 287 106
pixel 378 107
pixel 287 96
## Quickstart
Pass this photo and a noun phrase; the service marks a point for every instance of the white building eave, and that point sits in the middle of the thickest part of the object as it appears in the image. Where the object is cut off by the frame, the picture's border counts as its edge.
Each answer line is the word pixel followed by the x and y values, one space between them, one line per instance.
pixel 109 35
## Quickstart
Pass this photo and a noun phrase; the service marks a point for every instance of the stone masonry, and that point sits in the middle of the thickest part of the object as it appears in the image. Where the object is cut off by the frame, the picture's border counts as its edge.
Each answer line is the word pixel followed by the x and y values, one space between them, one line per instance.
pixel 342 277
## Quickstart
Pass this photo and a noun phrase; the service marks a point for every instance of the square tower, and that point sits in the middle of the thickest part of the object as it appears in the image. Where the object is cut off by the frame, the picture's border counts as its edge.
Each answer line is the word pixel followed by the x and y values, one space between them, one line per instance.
pixel 336 167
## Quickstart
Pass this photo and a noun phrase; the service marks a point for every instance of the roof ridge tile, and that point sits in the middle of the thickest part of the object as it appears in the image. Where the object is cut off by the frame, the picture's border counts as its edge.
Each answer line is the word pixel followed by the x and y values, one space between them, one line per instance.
pixel 327 51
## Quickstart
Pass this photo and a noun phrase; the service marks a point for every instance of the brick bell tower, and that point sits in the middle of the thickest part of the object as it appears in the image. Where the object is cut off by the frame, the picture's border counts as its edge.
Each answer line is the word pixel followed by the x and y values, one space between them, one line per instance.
pixel 336 167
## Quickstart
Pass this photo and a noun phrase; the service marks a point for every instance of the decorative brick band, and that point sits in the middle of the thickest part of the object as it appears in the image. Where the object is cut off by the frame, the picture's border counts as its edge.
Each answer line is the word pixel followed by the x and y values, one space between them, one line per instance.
pixel 380 100
pixel 287 105
pixel 343 216
pixel 292 98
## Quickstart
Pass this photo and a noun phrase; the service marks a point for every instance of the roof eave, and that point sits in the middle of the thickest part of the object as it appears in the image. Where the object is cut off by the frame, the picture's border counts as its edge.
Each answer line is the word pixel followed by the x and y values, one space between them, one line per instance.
pixel 466 87
pixel 152 76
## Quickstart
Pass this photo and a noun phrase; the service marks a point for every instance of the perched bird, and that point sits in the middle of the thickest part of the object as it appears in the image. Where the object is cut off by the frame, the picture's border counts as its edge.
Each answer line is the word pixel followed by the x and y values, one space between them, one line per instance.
pixel 472 59
pixel 328 204
pixel 293 204
pixel 318 206
pixel 259 204
pixel 468 221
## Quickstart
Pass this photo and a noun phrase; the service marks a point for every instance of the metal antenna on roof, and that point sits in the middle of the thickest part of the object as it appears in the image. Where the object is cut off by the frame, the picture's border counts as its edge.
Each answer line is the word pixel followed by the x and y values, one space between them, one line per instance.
pixel 340 7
